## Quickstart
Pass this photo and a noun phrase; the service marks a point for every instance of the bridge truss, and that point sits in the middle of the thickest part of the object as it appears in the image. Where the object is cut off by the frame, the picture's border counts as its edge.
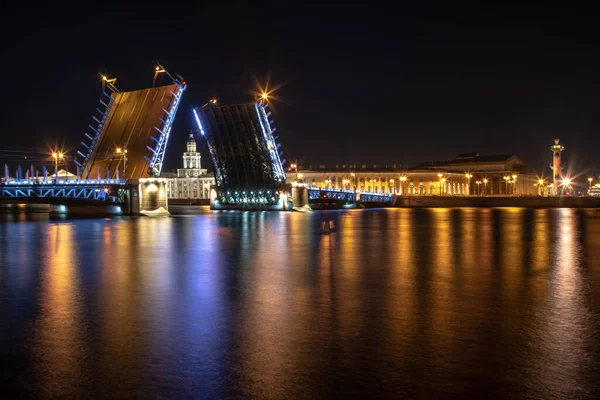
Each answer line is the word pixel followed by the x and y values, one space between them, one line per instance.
pixel 349 195
pixel 99 190
pixel 246 158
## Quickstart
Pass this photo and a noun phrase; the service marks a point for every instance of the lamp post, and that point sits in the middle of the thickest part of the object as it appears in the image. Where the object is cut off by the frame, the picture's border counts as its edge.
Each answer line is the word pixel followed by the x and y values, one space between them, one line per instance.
pixel 468 176
pixel 506 179
pixel 514 184
pixel 485 181
pixel 56 157
pixel 566 183
pixel 402 180
pixel 123 153
pixel 443 183
pixel 440 175
pixel 541 185
pixel 393 187
pixel 353 175
pixel 478 188
pixel 590 181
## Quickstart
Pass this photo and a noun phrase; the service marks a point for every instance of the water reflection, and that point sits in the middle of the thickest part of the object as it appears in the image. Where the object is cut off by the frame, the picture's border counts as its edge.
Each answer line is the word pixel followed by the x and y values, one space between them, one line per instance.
pixel 58 345
pixel 411 303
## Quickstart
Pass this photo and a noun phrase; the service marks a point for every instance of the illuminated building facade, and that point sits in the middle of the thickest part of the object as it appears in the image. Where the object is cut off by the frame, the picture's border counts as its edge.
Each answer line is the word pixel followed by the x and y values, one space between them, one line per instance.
pixel 467 175
pixel 192 181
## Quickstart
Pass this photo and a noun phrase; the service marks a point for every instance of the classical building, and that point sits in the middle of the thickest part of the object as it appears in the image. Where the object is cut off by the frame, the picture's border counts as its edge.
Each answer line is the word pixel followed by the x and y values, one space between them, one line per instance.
pixel 192 181
pixel 467 174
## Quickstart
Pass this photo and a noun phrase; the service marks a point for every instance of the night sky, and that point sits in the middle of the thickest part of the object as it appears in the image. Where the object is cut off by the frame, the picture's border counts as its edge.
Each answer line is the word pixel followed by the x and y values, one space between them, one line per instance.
pixel 359 84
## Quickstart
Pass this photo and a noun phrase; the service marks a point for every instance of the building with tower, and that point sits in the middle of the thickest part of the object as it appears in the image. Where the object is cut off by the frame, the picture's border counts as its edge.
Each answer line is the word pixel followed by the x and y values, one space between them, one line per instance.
pixel 191 182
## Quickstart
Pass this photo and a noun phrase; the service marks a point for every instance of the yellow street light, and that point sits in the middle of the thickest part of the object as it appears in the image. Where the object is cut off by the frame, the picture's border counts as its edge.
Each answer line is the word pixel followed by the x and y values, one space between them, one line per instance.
pixel 264 96
pixel 57 156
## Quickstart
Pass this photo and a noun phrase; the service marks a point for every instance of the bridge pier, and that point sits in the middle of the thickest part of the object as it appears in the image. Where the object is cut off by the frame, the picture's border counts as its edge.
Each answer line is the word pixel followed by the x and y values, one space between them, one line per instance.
pixel 147 195
pixel 299 196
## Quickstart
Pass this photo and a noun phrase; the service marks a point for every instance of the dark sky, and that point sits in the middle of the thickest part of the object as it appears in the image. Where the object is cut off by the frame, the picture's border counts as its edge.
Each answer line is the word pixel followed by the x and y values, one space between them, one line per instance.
pixel 360 84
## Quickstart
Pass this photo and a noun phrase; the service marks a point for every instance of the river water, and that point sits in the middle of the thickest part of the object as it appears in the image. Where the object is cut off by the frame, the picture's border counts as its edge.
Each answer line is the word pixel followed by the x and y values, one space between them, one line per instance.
pixel 393 303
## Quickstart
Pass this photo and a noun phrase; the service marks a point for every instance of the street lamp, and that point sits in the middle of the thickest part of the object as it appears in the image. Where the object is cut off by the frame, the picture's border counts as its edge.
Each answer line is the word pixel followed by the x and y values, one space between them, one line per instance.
pixel 485 181
pixel 393 187
pixel 514 184
pixel 566 183
pixel 468 176
pixel 402 180
pixel 440 175
pixel 353 175
pixel 506 178
pixel 443 183
pixel 590 181
pixel 541 185
pixel 123 153
pixel 478 188
pixel 57 156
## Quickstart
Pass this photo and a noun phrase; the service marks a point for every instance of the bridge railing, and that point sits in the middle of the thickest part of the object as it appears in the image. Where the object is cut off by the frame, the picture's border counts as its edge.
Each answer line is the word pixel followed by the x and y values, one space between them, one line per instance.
pixel 50 182
pixel 85 189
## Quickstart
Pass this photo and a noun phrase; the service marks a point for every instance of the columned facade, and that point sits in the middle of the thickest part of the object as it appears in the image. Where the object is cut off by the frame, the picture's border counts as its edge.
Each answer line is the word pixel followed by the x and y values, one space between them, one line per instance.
pixel 467 175
pixel 191 181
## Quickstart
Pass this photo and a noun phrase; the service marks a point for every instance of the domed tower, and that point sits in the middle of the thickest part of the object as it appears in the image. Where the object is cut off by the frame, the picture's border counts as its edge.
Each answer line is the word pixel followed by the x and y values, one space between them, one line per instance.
pixel 557 167
pixel 191 160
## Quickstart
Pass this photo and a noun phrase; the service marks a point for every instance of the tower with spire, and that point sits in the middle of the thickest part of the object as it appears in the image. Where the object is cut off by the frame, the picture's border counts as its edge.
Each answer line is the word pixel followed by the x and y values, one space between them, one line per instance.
pixel 191 161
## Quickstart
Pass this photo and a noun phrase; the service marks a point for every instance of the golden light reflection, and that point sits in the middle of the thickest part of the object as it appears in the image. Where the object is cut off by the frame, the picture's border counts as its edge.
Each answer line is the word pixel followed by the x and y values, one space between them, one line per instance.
pixel 468 240
pixel 511 270
pixel 541 242
pixel 268 320
pixel 58 341
pixel 444 316
pixel 121 287
pixel 566 325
